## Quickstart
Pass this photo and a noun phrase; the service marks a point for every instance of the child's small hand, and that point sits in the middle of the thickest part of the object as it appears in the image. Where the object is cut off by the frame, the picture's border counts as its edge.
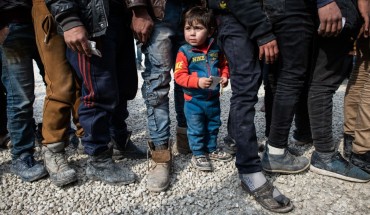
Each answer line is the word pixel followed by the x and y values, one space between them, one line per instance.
pixel 224 82
pixel 204 82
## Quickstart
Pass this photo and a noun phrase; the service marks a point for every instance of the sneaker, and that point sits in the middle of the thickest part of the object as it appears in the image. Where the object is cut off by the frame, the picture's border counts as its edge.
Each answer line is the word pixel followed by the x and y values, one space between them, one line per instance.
pixel 219 155
pixel 101 167
pixel 361 160
pixel 334 165
pixel 27 168
pixel 229 145
pixel 347 145
pixel 201 162
pixel 5 141
pixel 299 142
pixel 285 163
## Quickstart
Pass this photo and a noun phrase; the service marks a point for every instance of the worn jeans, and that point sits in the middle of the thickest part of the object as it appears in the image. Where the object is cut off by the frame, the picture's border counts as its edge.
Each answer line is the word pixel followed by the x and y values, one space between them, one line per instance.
pixel 357 100
pixel 59 76
pixel 332 63
pixel 18 51
pixel 245 79
pixel 3 118
pixel 203 118
pixel 294 28
pixel 160 55
pixel 104 82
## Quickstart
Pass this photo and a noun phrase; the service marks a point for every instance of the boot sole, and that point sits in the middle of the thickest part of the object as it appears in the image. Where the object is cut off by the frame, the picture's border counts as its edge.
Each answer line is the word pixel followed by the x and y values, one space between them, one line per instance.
pixel 94 178
pixel 283 171
pixel 159 189
pixel 33 179
pixel 62 183
pixel 335 175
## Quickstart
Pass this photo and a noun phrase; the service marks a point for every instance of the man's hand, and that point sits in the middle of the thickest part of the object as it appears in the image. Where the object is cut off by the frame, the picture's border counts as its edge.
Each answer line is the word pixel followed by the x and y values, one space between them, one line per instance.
pixel 270 51
pixel 330 20
pixel 363 7
pixel 142 24
pixel 3 34
pixel 204 82
pixel 76 39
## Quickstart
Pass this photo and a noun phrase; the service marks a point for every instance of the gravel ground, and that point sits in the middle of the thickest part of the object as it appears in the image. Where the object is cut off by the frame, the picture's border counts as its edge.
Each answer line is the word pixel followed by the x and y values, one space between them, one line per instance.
pixel 191 191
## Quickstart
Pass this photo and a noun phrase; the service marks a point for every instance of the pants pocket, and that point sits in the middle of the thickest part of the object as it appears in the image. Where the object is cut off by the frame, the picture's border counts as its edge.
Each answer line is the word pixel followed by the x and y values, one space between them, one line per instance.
pixel 47 27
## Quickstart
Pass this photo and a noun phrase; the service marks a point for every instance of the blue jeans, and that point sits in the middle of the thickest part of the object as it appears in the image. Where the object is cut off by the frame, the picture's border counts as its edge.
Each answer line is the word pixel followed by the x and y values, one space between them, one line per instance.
pixel 245 79
pixel 18 50
pixel 160 55
pixel 3 119
pixel 294 28
pixel 203 118
pixel 104 90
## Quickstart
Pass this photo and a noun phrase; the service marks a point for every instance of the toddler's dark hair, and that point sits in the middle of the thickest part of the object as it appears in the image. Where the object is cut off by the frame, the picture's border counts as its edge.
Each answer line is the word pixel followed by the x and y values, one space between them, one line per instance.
pixel 200 15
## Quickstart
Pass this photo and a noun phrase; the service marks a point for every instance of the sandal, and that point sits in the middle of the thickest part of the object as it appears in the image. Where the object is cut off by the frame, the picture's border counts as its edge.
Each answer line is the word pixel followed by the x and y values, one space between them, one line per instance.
pixel 263 195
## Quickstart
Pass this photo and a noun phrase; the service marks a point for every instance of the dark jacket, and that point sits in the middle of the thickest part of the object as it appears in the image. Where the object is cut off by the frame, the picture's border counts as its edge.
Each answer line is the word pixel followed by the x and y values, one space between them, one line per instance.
pixel 250 14
pixel 91 14
pixel 15 11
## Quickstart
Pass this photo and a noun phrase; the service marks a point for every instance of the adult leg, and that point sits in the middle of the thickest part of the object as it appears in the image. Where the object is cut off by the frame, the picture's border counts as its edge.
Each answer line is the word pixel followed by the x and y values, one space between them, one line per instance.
pixel 361 146
pixel 59 95
pixel 332 64
pixel 18 50
pixel 245 81
pixel 97 106
pixel 294 31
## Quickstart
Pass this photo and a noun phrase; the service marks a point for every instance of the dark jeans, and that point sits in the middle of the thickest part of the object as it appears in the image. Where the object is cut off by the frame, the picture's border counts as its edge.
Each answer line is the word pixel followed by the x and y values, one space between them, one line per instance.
pixel 332 65
pixel 302 131
pixel 104 84
pixel 245 79
pixel 3 119
pixel 293 26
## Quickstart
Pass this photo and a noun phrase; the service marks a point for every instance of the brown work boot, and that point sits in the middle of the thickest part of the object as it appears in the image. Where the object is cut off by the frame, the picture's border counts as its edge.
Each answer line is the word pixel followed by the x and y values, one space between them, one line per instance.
pixel 159 174
pixel 182 143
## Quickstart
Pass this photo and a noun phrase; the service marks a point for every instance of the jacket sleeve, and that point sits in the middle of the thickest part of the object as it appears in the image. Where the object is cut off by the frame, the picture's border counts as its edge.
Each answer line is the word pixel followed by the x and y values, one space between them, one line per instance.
pixel 181 74
pixel 322 3
pixel 135 3
pixel 224 66
pixel 250 14
pixel 65 13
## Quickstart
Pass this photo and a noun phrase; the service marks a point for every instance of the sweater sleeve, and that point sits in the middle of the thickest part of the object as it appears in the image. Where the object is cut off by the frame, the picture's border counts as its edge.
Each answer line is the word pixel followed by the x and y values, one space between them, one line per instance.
pixel 181 73
pixel 65 13
pixel 224 67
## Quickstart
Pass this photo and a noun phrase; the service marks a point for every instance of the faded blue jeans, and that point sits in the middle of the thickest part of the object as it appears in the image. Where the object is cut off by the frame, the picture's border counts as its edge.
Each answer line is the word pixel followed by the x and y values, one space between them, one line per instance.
pixel 203 118
pixel 160 55
pixel 18 51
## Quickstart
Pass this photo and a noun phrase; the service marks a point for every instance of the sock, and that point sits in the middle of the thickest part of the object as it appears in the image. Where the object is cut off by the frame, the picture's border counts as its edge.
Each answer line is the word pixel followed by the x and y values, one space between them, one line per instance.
pixel 256 180
pixel 253 180
pixel 275 151
pixel 162 147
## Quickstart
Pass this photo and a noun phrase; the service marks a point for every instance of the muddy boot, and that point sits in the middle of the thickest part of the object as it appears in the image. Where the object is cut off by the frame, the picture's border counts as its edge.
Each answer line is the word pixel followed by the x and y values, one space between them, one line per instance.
pixel 159 174
pixel 56 164
pixel 182 143
pixel 101 167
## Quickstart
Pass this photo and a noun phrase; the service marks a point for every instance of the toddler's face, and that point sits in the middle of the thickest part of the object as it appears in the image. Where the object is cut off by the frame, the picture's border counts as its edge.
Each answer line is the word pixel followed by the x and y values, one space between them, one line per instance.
pixel 195 34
